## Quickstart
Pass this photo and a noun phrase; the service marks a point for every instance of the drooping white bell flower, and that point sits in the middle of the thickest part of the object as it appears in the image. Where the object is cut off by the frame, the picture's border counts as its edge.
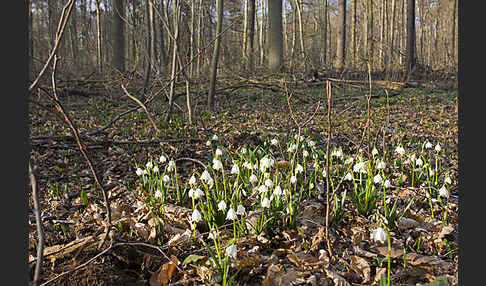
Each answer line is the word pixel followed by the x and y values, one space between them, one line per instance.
pixel 381 165
pixel 448 180
pixel 419 162
pixel 217 165
pixel 139 172
pixel 374 152
pixel 379 234
pixel 277 191
pixel 240 210
pixel 235 170
pixel 156 169
pixel 400 150
pixel 149 165
pixel 437 147
pixel 299 169
pixel 274 142
pixel 231 215
pixel 222 205
pixel 192 180
pixel 215 137
pixel 443 192
pixel 171 166
pixel 158 194
pixel 428 145
pixel 196 216
pixel 269 183
pixel 218 152
pixel 387 184
pixel 205 176
pixel 162 159
pixel 377 179
pixel 293 179
pixel 253 178
pixel 348 177
pixel 262 189
pixel 265 203
pixel 231 251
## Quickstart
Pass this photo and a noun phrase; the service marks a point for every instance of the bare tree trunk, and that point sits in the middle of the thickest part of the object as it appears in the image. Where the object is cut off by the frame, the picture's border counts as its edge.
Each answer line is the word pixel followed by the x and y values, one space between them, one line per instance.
pixel 163 54
pixel 294 34
pixel 148 39
pixel 191 43
pixel 453 35
pixel 245 33
pixel 301 32
pixel 410 60
pixel 199 36
pixel 153 35
pixel 74 38
pixel 275 39
pixel 31 39
pixel 99 60
pixel 382 34
pixel 392 32
pixel 118 60
pixel 371 39
pixel 251 32
pixel 353 35
pixel 175 17
pixel 215 58
pixel 341 37
pixel 262 24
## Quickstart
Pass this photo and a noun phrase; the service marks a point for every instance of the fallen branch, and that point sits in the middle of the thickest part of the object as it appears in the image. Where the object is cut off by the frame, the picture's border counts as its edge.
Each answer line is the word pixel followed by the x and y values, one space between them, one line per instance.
pixel 40 231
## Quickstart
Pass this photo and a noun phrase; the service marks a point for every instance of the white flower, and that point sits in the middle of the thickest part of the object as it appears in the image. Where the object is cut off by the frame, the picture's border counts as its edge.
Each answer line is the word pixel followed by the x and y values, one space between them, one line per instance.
pixel 196 216
pixel 360 167
pixel 419 162
pixel 380 165
pixel 205 176
pixel 139 172
pixel 165 178
pixel 274 142
pixel 448 180
pixel 208 143
pixel 231 251
pixel 348 177
pixel 305 153
pixel 324 173
pixel 218 152
pixel 379 234
pixel 262 189
pixel 171 166
pixel 192 180
pixel 265 203
pixel 337 153
pixel 156 169
pixel 428 145
pixel 400 150
pixel 217 165
pixel 269 183
pixel 222 205
pixel 215 137
pixel 240 210
pixel 293 179
pixel 443 192
pixel 253 178
pixel 162 159
pixel 265 163
pixel 149 165
pixel 235 169
pixel 312 143
pixel 243 192
pixel 231 215
pixel 311 186
pixel 213 234
pixel 277 191
pixel 243 150
pixel 437 147
pixel 299 169
pixel 377 179
pixel 292 148
pixel 374 152
pixel 386 184
pixel 350 160
pixel 198 193
pixel 158 194
pixel 431 172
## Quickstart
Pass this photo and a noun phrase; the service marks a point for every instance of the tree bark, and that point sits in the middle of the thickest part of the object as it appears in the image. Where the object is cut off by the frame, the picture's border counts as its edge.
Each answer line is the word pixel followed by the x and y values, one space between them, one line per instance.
pixel 275 39
pixel 353 35
pixel 99 60
pixel 410 60
pixel 215 58
pixel 163 54
pixel 148 50
pixel 392 31
pixel 341 37
pixel 251 32
pixel 175 15
pixel 118 60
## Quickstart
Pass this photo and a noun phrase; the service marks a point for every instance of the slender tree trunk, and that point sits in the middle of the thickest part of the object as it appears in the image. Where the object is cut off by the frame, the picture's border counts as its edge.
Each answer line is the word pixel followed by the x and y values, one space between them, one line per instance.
pixel 353 33
pixel 192 39
pixel 453 34
pixel 275 39
pixel 382 34
pixel 200 29
pixel 31 39
pixel 371 39
pixel 148 50
pixel 215 58
pixel 301 32
pixel 74 38
pixel 410 60
pixel 99 59
pixel 245 33
pixel 341 37
pixel 153 35
pixel 262 24
pixel 251 32
pixel 118 35
pixel 51 11
pixel 392 31
pixel 175 16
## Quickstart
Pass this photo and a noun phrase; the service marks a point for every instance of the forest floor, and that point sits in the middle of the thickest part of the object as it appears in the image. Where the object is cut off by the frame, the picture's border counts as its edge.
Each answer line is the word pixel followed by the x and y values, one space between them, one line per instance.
pixel 423 249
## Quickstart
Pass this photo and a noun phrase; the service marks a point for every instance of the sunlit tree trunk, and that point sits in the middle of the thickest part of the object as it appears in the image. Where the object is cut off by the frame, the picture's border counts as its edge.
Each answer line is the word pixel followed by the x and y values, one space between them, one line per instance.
pixel 99 59
pixel 251 32
pixel 410 59
pixel 118 60
pixel 341 37
pixel 275 37
pixel 215 58
pixel 149 40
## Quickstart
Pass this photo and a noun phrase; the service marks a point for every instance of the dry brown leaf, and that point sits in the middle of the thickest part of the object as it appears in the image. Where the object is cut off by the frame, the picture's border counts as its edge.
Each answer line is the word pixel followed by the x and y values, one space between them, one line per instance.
pixel 361 266
pixel 162 276
pixel 407 223
pixel 336 278
pixel 249 261
pixel 415 259
pixel 302 259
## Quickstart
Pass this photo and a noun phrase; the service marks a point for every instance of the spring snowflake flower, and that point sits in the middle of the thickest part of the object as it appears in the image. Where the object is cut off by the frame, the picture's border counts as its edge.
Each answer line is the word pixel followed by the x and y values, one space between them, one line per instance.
pixel 262 189
pixel 218 152
pixel 149 165
pixel 324 173
pixel 215 137
pixel 348 177
pixel 292 148
pixel 231 251
pixel 269 183
pixel 293 179
pixel 311 186
pixel 377 179
pixel 443 192
pixel 419 162
pixel 213 235
pixel 162 159
pixel 240 210
pixel 428 145
pixel 196 216
pixel 386 184
pixel 448 180
pixel 337 153
pixel 222 205
pixel 166 179
pixel 274 142
pixel 431 172
pixel 299 169
pixel 205 176
pixel 156 169
pixel 171 166
pixel 437 147
pixel 374 152
pixel 265 203
pixel 235 169
pixel 400 150
pixel 217 165
pixel 192 180
pixel 380 165
pixel 266 163
pixel 305 153
pixel 277 191
pixel 231 215
pixel 349 160
pixel 311 143
pixel 379 234
pixel 158 194
pixel 360 167
pixel 243 150
pixel 196 194
pixel 139 172
pixel 253 178
pixel 208 143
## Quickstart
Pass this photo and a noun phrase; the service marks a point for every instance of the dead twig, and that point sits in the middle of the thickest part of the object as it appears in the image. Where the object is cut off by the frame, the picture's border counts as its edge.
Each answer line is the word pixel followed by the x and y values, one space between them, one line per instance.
pixel 144 108
pixel 329 130
pixel 40 231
